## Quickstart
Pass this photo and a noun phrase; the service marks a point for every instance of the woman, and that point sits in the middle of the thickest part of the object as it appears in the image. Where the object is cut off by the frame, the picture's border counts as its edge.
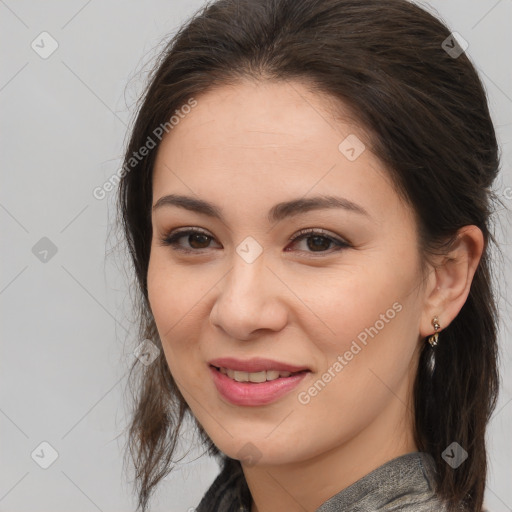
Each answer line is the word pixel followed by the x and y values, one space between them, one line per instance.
pixel 306 200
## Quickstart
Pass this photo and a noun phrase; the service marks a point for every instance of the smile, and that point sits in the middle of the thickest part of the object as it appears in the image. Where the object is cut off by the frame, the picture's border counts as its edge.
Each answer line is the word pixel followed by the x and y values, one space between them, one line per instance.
pixel 255 377
pixel 252 389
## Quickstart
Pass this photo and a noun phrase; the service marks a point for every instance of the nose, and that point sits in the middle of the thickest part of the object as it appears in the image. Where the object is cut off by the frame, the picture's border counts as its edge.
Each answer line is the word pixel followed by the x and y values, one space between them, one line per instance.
pixel 251 300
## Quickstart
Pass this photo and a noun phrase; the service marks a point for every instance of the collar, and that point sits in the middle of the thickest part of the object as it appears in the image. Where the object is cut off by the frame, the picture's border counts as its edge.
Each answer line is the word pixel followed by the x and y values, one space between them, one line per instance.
pixel 403 483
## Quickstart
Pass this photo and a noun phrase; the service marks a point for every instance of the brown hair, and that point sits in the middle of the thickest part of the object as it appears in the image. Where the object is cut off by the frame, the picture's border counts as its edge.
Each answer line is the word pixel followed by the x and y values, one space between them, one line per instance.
pixel 428 119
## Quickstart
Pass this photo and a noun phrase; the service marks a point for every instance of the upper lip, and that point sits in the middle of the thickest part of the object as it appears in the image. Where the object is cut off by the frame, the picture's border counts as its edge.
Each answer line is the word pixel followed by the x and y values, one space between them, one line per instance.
pixel 256 364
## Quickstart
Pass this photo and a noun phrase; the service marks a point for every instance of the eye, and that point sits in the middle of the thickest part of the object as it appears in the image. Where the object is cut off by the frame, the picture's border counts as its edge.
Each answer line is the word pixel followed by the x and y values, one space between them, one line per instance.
pixel 197 240
pixel 317 240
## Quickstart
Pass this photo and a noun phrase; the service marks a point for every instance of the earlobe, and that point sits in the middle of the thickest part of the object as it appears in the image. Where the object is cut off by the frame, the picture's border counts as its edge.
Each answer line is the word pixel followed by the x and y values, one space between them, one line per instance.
pixel 433 340
pixel 453 277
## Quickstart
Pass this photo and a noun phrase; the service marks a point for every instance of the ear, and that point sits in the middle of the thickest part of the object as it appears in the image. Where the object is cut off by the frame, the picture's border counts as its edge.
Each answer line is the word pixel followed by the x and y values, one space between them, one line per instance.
pixel 451 279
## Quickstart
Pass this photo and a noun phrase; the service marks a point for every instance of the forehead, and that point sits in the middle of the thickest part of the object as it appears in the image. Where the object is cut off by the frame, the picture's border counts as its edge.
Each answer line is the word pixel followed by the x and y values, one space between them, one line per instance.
pixel 268 140
pixel 283 115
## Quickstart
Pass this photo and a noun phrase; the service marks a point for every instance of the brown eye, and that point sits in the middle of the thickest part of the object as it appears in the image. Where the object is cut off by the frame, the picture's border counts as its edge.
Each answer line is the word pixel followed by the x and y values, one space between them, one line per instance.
pixel 197 240
pixel 317 241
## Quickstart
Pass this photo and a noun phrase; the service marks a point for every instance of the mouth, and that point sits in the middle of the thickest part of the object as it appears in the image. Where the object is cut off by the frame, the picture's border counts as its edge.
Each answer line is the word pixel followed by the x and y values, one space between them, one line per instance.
pixel 254 382
pixel 255 377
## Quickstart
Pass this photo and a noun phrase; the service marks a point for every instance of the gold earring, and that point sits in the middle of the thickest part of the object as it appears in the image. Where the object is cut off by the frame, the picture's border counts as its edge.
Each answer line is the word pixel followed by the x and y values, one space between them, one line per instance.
pixel 434 338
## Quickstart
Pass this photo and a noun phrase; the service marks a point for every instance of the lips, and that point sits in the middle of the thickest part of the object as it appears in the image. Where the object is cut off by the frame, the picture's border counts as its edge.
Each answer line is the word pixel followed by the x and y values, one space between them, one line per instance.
pixel 255 365
pixel 255 382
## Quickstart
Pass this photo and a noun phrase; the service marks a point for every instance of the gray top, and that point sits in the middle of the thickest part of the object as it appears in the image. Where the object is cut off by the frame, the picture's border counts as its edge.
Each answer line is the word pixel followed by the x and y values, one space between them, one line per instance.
pixel 404 484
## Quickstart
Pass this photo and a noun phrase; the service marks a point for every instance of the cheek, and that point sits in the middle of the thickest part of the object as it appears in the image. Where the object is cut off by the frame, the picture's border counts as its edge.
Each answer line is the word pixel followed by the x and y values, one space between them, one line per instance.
pixel 173 291
pixel 170 297
pixel 373 313
pixel 178 297
pixel 369 300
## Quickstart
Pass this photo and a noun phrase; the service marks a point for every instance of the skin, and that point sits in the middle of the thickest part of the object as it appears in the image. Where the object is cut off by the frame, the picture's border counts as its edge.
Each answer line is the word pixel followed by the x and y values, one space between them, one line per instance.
pixel 245 148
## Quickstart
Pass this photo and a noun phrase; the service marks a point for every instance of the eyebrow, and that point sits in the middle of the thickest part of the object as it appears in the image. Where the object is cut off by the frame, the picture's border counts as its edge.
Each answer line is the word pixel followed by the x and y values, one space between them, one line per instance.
pixel 277 213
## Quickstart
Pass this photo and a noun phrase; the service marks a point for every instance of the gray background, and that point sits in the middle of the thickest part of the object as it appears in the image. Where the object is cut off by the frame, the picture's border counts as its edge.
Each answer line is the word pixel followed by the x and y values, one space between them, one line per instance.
pixel 67 337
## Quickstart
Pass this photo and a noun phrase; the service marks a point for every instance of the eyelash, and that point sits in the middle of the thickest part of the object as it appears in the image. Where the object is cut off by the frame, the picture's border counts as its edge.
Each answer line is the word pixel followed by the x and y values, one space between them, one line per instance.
pixel 172 239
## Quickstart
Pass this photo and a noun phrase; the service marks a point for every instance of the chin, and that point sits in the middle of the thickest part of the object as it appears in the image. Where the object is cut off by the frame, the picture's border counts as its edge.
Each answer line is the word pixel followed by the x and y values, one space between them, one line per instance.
pixel 258 451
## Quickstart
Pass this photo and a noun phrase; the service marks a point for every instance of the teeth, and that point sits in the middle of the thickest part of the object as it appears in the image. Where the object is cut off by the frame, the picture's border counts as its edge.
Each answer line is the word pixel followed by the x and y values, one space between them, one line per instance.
pixel 253 376
pixel 241 376
pixel 274 374
pixel 258 376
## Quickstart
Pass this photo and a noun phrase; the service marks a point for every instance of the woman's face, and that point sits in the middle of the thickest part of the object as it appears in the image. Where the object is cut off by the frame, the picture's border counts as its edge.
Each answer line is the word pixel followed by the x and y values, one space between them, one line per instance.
pixel 342 303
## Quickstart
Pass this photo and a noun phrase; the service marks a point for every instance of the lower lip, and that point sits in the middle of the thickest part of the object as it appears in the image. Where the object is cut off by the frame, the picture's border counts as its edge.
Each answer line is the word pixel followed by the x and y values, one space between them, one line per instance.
pixel 254 393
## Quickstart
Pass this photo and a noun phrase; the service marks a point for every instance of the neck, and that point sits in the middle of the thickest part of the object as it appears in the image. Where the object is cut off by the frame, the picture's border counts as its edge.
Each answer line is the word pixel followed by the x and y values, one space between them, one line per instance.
pixel 304 485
